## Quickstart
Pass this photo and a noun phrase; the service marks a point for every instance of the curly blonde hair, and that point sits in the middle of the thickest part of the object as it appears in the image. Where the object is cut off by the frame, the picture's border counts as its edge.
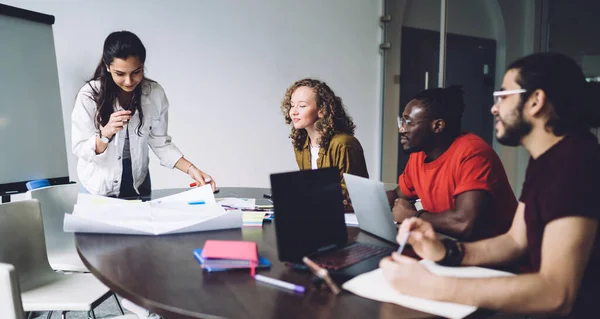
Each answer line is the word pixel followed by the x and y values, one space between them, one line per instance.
pixel 335 119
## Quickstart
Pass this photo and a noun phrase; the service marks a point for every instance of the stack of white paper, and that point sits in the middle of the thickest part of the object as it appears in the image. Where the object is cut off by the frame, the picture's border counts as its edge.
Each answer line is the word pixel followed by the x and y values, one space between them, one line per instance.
pixel 351 219
pixel 372 285
pixel 168 215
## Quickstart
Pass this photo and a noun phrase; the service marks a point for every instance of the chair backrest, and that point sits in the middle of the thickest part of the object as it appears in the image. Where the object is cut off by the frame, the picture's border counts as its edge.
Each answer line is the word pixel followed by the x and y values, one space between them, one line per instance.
pixel 22 242
pixel 10 295
pixel 55 201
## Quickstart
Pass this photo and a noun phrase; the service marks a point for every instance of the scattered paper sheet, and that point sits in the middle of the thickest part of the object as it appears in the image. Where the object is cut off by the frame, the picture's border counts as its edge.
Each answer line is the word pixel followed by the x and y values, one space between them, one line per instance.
pixel 372 285
pixel 239 203
pixel 167 215
pixel 204 193
pixel 351 219
pixel 83 198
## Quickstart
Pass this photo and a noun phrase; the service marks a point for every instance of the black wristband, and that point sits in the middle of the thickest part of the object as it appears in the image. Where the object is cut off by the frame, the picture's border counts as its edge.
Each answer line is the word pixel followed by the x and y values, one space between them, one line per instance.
pixel 455 251
pixel 420 212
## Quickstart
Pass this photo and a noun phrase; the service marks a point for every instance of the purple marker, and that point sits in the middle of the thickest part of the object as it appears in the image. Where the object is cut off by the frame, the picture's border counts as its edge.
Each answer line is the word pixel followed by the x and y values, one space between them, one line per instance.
pixel 279 283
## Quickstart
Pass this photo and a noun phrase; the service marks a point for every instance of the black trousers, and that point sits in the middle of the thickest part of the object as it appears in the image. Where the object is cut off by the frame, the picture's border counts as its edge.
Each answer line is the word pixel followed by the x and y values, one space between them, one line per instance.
pixel 127 189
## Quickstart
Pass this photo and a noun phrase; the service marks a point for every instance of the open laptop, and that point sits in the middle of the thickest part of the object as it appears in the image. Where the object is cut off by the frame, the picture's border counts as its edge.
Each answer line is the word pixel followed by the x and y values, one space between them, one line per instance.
pixel 371 207
pixel 310 222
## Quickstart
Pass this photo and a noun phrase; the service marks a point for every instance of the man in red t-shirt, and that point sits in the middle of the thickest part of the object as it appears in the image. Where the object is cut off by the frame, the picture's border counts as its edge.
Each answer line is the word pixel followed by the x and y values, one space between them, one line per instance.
pixel 458 177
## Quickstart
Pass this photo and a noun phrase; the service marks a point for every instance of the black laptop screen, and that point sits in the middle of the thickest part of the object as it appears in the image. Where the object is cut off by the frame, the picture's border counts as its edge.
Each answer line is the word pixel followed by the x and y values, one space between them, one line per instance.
pixel 309 214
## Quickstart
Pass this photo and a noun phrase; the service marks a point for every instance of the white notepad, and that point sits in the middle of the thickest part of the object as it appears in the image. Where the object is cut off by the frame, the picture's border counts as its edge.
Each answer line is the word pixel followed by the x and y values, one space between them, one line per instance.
pixel 372 285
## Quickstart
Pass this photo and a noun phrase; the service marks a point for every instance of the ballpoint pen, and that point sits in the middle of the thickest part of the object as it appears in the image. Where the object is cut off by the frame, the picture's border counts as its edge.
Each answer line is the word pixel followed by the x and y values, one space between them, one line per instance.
pixel 323 274
pixel 403 243
pixel 279 283
pixel 405 239
pixel 194 184
pixel 206 180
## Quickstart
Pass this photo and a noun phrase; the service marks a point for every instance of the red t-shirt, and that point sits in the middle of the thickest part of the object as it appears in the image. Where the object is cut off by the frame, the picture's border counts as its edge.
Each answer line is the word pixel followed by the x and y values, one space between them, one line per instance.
pixel 468 164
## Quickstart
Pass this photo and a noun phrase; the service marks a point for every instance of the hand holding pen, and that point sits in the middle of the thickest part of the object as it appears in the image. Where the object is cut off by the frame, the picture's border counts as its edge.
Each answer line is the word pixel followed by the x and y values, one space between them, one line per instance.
pixel 404 239
pixel 422 237
pixel 323 274
pixel 116 123
pixel 201 178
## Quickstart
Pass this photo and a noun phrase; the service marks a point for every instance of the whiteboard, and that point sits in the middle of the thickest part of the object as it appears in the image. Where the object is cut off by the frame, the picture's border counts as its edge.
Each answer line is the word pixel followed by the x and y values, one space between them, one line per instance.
pixel 32 138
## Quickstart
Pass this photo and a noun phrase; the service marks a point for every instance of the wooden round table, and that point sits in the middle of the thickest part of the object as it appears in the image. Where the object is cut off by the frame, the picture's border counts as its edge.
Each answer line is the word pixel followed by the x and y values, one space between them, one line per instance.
pixel 160 273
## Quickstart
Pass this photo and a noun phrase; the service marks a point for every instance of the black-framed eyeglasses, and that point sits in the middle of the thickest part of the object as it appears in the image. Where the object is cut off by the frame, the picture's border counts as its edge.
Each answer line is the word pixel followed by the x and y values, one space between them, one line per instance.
pixel 402 122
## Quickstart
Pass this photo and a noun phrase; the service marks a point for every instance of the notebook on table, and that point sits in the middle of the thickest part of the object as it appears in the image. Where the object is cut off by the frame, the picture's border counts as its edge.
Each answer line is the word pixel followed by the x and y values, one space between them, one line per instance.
pixel 213 266
pixel 373 285
pixel 220 254
pixel 310 222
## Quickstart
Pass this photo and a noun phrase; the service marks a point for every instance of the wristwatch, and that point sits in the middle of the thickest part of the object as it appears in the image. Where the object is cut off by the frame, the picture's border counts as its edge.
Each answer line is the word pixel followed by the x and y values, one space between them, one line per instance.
pixel 104 139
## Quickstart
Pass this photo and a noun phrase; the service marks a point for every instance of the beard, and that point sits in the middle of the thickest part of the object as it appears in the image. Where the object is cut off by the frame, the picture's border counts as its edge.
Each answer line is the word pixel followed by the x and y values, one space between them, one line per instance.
pixel 421 143
pixel 411 149
pixel 514 132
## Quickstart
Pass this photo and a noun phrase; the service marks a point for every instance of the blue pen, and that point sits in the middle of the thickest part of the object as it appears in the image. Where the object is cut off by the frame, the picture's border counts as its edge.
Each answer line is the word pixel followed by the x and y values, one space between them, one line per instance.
pixel 199 202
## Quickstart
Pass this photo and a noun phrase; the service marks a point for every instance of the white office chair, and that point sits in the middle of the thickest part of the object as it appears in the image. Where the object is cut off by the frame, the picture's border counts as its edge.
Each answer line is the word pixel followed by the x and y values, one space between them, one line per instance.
pixel 55 202
pixel 10 295
pixel 22 244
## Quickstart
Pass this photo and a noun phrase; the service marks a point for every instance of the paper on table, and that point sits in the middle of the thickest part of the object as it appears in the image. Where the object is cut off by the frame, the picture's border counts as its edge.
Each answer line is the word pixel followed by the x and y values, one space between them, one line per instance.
pixel 240 203
pixel 351 219
pixel 167 215
pixel 82 224
pixel 253 219
pixel 372 285
pixel 83 198
pixel 204 193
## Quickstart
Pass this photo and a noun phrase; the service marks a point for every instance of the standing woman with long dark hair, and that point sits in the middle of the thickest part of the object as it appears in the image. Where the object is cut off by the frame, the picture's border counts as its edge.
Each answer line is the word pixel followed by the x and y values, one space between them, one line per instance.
pixel 117 115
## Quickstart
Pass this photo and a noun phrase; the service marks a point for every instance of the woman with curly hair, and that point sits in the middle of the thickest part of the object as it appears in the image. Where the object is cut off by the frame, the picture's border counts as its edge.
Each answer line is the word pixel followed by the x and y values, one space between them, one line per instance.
pixel 322 133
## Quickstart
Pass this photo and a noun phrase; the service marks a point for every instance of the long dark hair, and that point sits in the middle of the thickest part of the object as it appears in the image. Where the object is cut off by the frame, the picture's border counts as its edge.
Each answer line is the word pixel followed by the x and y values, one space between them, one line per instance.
pixel 335 119
pixel 121 45
pixel 574 101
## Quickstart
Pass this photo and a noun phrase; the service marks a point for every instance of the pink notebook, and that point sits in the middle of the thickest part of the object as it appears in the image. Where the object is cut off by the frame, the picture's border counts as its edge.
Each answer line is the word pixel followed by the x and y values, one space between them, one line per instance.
pixel 232 250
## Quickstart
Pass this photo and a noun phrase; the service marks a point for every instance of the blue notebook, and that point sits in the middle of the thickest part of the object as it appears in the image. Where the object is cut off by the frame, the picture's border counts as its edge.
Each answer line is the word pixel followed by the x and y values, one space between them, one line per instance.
pixel 214 266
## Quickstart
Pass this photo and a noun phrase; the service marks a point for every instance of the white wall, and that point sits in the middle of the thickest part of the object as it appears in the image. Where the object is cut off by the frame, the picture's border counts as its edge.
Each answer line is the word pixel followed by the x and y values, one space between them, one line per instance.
pixel 225 66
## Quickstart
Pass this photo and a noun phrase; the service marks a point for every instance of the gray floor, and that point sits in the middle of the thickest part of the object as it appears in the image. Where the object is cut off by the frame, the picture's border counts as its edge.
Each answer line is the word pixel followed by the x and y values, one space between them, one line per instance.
pixel 107 309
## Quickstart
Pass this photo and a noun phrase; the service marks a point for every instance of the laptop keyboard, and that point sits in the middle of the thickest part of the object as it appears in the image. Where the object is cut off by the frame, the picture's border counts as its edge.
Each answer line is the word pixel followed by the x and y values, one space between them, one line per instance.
pixel 349 255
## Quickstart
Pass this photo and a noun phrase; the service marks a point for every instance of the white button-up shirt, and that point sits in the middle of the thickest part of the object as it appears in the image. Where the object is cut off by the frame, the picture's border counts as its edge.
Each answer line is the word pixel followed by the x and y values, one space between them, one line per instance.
pixel 101 173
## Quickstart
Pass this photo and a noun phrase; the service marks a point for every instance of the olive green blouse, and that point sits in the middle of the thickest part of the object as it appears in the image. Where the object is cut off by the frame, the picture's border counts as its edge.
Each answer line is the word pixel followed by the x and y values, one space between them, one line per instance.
pixel 344 152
